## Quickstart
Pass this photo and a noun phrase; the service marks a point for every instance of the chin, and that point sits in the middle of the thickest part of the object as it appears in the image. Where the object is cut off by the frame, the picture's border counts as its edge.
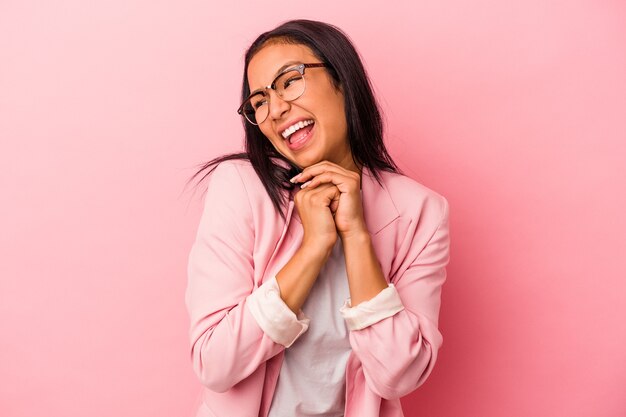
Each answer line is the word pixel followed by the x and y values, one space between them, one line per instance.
pixel 308 162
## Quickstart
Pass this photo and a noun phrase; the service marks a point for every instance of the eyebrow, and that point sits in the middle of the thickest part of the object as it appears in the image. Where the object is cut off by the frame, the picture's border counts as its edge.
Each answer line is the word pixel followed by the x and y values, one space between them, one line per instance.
pixel 281 69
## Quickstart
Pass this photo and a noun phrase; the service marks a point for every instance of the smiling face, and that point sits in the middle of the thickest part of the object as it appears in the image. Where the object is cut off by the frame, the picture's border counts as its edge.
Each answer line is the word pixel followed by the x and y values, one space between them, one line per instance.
pixel 326 138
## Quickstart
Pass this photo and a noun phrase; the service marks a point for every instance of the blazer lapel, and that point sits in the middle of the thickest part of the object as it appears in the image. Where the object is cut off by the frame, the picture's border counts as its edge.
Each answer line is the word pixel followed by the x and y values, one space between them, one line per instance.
pixel 378 207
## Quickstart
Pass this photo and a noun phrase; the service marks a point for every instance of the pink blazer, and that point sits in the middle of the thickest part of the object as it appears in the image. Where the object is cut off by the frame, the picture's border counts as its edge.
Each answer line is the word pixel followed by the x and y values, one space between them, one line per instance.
pixel 242 242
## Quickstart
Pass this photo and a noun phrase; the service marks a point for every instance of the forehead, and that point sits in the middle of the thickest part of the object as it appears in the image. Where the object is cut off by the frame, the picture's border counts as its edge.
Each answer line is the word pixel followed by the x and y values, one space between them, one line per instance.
pixel 265 65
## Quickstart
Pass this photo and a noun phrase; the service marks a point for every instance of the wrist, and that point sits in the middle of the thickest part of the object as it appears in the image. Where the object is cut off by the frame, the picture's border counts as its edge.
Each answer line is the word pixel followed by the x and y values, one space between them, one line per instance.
pixel 360 236
pixel 315 251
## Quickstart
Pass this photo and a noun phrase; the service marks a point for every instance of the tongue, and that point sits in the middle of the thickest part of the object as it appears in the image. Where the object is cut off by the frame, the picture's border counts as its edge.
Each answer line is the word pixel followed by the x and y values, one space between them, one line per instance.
pixel 297 136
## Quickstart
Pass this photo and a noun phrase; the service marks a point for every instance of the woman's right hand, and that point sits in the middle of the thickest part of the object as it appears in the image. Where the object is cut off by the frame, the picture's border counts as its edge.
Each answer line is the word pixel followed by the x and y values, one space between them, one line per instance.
pixel 315 209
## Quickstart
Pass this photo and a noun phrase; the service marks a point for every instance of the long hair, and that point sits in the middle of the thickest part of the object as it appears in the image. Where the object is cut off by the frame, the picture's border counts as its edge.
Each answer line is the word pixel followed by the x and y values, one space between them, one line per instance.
pixel 365 126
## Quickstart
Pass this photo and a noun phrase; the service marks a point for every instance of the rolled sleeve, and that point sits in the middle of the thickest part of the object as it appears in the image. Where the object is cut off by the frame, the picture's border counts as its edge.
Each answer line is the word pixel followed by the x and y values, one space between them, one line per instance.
pixel 274 316
pixel 385 304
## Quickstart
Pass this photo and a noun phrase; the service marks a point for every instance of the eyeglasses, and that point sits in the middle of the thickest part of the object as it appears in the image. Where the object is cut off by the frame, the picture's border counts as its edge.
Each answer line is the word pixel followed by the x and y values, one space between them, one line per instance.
pixel 288 85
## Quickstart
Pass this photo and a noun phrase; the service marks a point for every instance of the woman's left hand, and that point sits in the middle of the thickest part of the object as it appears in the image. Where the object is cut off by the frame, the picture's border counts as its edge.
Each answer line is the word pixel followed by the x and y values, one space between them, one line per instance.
pixel 348 208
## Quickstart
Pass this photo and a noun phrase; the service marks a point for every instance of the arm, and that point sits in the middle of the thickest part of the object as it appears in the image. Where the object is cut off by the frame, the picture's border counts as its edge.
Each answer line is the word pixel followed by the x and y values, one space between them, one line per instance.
pixel 395 334
pixel 227 342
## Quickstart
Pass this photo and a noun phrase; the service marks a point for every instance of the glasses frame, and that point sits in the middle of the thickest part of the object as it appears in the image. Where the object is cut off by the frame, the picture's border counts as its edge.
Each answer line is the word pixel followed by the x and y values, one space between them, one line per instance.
pixel 300 68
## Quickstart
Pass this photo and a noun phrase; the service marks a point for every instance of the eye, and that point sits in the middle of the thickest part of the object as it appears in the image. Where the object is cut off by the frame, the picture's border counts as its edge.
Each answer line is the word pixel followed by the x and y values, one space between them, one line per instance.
pixel 291 80
pixel 258 101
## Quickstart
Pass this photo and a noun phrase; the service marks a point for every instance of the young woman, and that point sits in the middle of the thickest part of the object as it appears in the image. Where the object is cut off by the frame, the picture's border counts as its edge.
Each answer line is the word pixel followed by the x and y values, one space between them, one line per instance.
pixel 314 294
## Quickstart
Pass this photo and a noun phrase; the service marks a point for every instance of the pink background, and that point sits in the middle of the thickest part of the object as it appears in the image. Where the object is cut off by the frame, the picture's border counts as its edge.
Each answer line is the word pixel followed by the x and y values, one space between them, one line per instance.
pixel 515 111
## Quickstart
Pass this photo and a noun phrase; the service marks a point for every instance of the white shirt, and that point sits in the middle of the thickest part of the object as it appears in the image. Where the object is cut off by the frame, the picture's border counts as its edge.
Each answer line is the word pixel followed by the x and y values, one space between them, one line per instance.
pixel 312 376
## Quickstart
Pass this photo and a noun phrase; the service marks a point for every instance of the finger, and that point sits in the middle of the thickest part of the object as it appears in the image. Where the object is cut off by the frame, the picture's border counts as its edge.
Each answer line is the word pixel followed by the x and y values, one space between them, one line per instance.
pixel 320 188
pixel 327 192
pixel 345 183
pixel 316 169
pixel 334 205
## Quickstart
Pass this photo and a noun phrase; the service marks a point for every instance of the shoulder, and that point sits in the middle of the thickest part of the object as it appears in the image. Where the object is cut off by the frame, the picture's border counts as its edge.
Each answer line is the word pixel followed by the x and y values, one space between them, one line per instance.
pixel 228 180
pixel 234 173
pixel 236 179
pixel 413 199
pixel 231 166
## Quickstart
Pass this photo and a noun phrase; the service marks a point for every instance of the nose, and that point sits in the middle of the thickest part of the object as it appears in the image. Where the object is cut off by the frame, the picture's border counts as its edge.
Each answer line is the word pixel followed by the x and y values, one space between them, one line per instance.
pixel 277 106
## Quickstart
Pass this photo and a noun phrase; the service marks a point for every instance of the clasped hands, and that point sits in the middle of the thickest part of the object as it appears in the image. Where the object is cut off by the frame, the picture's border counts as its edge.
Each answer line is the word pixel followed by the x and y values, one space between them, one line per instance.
pixel 344 201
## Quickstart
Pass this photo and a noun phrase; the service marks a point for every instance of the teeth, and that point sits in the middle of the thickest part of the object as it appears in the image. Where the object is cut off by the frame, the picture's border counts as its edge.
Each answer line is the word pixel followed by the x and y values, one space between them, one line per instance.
pixel 296 126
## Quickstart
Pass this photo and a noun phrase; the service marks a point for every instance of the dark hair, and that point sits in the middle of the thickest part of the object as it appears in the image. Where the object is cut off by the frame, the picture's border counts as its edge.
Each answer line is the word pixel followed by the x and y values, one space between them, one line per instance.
pixel 363 117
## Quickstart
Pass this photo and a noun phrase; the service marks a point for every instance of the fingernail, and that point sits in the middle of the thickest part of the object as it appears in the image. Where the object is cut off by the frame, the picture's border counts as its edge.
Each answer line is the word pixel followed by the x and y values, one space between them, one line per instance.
pixel 305 184
pixel 295 178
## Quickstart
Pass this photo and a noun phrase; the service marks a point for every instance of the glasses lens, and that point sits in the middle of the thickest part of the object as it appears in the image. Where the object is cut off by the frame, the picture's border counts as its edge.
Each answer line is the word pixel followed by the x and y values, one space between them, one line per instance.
pixel 255 108
pixel 290 85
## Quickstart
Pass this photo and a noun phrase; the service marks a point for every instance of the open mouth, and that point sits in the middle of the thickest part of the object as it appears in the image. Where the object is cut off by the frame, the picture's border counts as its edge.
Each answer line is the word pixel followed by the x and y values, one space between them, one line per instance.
pixel 296 132
pixel 301 137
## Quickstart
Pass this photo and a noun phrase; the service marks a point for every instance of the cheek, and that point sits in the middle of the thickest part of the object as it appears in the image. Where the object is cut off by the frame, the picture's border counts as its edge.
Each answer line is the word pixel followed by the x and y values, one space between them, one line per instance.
pixel 267 136
pixel 339 110
pixel 268 133
pixel 276 144
pixel 337 116
pixel 333 111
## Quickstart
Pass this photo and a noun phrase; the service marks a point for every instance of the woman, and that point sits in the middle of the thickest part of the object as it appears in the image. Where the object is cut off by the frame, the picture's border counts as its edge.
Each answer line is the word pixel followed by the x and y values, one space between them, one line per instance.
pixel 314 294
